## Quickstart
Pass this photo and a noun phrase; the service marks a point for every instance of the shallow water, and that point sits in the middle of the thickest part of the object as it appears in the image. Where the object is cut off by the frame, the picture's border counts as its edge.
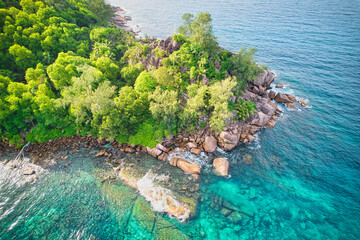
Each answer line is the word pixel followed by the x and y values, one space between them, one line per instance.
pixel 299 180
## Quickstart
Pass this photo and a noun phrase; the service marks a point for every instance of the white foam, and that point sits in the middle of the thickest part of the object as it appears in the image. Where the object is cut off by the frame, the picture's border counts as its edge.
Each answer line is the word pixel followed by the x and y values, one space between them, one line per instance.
pixel 199 160
pixel 159 197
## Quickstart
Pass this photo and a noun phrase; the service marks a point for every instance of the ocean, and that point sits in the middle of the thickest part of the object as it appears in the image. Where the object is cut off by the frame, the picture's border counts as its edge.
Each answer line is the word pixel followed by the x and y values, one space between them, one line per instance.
pixel 299 180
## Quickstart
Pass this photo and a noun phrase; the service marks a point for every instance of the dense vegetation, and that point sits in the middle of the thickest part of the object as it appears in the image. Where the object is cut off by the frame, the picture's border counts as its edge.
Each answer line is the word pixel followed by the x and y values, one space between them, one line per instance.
pixel 64 70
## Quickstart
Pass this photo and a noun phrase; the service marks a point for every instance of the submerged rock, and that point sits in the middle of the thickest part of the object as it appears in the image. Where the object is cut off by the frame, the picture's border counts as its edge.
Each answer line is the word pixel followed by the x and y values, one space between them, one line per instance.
pixel 159 189
pixel 221 166
pixel 289 105
pixel 279 85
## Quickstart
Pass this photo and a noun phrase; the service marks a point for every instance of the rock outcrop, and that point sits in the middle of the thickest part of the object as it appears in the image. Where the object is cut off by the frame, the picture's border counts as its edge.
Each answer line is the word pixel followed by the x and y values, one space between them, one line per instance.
pixel 229 139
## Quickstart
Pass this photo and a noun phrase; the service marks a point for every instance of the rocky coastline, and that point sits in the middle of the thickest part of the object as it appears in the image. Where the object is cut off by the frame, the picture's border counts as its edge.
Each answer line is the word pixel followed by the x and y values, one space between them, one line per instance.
pixel 180 203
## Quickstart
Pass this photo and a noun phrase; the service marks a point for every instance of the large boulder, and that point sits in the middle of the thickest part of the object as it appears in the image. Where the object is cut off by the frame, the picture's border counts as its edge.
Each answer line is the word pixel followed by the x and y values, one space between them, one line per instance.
pixel 265 79
pixel 272 94
pixel 228 141
pixel 260 119
pixel 268 109
pixel 210 144
pixel 184 165
pixel 221 166
pixel 285 98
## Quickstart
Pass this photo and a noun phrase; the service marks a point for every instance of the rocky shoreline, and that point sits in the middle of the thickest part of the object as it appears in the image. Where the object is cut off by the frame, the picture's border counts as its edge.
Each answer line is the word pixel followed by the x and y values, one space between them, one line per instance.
pixel 202 142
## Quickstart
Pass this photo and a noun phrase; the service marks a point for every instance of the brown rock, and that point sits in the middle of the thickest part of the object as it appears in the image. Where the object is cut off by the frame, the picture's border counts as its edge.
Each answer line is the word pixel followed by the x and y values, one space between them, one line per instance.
pixel 260 119
pixel 228 141
pixel 6 161
pixel 29 172
pixel 221 166
pixel 196 151
pixel 289 105
pixel 129 150
pixel 210 144
pixel 162 148
pixel 101 141
pixel 163 157
pixel 271 123
pixel 173 161
pixel 251 138
pixel 188 167
pixel 154 152
pixel 191 145
pixel 285 98
pixel 101 153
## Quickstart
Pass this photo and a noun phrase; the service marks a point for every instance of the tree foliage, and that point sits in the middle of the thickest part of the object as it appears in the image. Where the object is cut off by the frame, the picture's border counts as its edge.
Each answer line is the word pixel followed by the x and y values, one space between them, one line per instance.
pixel 65 70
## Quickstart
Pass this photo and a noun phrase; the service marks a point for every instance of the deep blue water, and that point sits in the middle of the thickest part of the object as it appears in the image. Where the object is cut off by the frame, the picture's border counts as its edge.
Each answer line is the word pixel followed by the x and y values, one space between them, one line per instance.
pixel 304 180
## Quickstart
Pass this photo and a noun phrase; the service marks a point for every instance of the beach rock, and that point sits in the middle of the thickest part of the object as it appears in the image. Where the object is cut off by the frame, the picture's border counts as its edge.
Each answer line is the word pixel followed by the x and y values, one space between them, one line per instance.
pixel 191 145
pixel 279 85
pixel 163 157
pixel 196 151
pixel 289 105
pixel 129 150
pixel 188 167
pixel 228 141
pixel 6 161
pixel 285 98
pixel 221 166
pixel 162 148
pixel 210 144
pixel 272 94
pixel 154 152
pixel 29 172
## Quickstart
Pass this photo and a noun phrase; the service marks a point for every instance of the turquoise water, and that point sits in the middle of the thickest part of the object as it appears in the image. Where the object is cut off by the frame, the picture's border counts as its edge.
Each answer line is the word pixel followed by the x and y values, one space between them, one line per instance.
pixel 299 180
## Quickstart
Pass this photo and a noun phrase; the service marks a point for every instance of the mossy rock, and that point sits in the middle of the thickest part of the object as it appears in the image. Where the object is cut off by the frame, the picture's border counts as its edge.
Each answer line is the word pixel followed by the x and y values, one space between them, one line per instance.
pixel 144 214
pixel 167 231
pixel 120 196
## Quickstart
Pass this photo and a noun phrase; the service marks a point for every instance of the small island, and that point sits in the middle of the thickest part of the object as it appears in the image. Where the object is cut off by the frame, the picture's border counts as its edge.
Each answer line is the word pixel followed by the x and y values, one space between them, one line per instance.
pixel 70 78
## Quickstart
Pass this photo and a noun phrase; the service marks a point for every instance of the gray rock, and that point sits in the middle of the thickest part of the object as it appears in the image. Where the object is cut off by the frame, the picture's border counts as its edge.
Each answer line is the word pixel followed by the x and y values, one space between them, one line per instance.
pixel 279 85
pixel 272 94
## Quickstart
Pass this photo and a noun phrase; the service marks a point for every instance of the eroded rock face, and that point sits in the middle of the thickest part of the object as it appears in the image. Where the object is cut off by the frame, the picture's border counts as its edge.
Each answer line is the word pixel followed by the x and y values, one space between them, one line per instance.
pixel 210 144
pixel 228 141
pixel 221 166
pixel 261 119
